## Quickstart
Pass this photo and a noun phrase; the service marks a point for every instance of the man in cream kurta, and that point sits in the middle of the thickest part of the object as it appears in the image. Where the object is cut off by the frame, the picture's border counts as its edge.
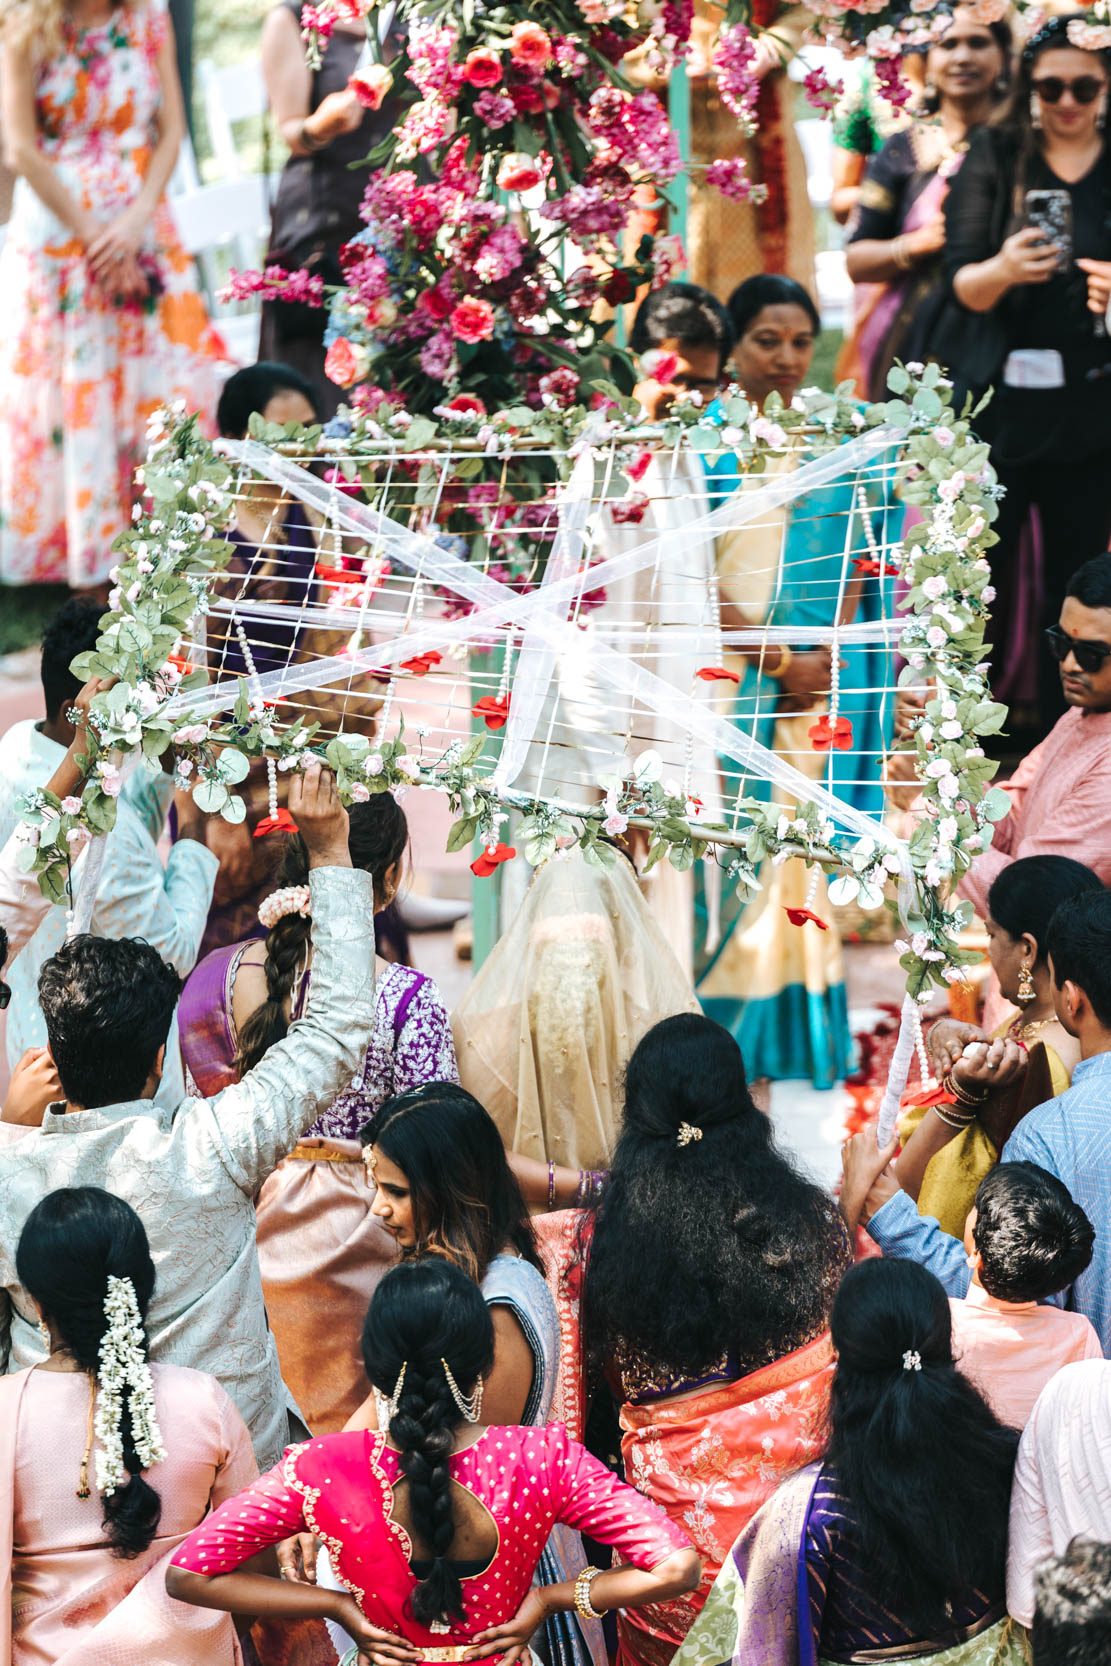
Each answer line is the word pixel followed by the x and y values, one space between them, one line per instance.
pixel 192 1173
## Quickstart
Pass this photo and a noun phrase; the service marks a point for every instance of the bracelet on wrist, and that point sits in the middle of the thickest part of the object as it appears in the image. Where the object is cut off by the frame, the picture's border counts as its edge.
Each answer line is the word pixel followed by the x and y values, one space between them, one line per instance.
pixel 583 1604
pixel 953 1119
pixel 900 253
pixel 551 1186
pixel 786 655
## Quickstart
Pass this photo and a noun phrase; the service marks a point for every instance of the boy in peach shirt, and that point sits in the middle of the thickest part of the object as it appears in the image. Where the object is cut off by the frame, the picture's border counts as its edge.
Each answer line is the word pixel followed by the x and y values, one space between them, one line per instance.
pixel 1026 1241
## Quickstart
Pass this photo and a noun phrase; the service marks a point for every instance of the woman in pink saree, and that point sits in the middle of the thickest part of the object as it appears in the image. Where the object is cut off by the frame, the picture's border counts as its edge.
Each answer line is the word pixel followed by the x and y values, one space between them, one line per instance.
pixel 894 250
pixel 85 1533
pixel 434 1524
pixel 703 1284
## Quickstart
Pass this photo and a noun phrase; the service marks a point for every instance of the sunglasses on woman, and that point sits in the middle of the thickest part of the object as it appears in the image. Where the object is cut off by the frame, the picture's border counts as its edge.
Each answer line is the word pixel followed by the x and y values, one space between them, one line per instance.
pixel 1085 89
pixel 1089 656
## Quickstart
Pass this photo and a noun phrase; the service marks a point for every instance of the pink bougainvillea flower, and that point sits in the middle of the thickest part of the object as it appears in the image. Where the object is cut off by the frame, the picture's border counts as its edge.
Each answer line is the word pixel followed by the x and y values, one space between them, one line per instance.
pixel 824 735
pixel 492 857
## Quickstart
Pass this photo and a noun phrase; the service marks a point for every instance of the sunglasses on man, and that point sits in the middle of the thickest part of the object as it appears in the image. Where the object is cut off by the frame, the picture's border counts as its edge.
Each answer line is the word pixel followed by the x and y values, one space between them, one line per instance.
pixel 1085 89
pixel 1089 656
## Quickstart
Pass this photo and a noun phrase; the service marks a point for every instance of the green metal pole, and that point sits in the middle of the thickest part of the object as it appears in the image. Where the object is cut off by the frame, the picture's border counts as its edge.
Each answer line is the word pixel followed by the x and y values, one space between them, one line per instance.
pixel 679 113
pixel 485 893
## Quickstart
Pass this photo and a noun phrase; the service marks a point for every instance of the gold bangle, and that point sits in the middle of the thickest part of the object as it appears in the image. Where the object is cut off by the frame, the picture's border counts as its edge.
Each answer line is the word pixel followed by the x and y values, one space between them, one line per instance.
pixel 900 254
pixel 960 1123
pixel 786 655
pixel 583 1604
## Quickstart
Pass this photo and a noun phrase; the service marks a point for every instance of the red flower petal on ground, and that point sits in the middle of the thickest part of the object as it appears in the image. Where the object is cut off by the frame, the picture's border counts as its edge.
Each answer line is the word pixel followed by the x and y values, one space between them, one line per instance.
pixel 717 674
pixel 493 710
pixel 492 857
pixel 799 917
pixel 283 822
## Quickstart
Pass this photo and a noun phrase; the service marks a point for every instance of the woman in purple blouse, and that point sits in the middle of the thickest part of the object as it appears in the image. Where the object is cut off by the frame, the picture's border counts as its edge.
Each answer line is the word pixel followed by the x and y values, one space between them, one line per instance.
pixel 320 1249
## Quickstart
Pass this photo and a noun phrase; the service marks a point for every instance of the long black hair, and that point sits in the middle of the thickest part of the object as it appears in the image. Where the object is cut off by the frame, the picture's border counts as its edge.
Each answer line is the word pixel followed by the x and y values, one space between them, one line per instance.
pixel 922 1461
pixel 72 1243
pixel 712 1246
pixel 1025 895
pixel 376 839
pixel 467 1204
pixel 1014 121
pixel 423 1313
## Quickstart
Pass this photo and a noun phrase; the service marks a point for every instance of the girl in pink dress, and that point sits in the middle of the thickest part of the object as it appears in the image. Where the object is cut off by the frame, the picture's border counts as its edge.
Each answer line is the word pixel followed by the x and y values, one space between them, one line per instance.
pixel 106 1462
pixel 434 1524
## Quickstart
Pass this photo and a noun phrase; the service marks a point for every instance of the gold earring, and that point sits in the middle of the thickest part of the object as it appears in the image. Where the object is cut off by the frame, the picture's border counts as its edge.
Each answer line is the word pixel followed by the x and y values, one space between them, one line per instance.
pixel 44 1332
pixel 1026 991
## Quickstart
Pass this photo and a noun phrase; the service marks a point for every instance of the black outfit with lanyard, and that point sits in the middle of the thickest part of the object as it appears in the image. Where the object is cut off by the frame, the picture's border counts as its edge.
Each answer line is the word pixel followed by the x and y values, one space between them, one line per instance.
pixel 1049 420
pixel 316 211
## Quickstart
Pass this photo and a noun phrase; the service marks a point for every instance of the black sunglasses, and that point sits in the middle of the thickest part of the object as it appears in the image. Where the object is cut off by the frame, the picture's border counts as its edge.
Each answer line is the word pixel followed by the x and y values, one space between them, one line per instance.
pixel 5 995
pixel 1090 656
pixel 1085 89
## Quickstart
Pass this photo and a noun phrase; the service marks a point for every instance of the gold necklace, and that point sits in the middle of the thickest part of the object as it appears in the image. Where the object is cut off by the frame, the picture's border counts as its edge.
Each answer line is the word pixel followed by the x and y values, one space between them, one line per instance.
pixel 1020 1030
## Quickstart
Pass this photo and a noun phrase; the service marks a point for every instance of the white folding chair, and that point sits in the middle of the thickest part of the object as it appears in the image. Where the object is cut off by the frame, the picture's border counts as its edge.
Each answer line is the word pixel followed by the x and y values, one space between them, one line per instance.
pixel 222 224
pixel 231 93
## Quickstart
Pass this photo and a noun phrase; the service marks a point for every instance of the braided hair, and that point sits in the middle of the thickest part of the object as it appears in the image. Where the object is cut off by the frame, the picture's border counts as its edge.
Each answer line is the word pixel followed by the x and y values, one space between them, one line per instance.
pixel 423 1313
pixel 377 837
pixel 73 1242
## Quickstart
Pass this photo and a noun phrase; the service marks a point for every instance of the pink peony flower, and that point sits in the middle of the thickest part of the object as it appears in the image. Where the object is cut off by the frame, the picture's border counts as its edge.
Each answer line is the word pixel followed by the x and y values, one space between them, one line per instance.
pixel 530 46
pixel 473 320
pixel 371 87
pixel 482 67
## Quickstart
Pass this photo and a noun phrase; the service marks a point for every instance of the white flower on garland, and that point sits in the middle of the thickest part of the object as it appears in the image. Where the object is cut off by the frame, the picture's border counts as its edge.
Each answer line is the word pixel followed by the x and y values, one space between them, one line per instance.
pixel 124 1370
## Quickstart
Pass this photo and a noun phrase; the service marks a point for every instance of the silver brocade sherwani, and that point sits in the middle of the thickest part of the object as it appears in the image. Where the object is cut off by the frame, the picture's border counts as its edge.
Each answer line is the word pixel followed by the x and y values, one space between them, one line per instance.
pixel 192 1174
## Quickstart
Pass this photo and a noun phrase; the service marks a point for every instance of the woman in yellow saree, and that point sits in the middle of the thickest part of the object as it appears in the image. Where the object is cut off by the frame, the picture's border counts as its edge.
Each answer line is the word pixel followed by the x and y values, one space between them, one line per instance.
pixel 952 1139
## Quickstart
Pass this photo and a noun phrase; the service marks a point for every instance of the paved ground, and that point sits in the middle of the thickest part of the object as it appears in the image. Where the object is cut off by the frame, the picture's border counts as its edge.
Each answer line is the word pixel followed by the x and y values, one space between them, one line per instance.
pixel 808 1121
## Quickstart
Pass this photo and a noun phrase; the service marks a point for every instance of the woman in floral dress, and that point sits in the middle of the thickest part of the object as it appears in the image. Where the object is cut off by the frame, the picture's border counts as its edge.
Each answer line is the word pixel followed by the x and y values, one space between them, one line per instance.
pixel 101 320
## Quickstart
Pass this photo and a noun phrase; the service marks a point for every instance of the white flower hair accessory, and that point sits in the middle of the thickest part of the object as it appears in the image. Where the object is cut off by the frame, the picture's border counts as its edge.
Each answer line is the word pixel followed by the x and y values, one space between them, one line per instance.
pixel 124 1370
pixel 291 899
pixel 912 1360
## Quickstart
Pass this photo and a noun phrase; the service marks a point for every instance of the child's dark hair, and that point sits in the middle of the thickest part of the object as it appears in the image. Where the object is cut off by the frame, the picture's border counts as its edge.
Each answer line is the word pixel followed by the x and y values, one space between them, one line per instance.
pixel 73 1241
pixel 1032 1238
pixel 682 312
pixel 376 838
pixel 1072 1622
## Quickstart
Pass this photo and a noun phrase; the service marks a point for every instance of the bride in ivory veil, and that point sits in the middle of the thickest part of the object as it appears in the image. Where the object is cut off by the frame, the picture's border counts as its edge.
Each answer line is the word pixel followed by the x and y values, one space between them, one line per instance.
pixel 544 1032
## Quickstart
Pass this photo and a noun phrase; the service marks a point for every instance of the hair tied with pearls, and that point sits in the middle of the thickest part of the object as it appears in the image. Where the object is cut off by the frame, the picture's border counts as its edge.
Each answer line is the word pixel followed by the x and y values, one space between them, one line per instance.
pixel 124 1370
pixel 688 1132
pixel 291 899
pixel 912 1360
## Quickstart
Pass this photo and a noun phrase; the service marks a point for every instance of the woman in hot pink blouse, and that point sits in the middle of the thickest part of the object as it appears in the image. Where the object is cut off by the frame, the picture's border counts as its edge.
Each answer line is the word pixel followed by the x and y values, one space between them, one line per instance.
pixel 434 1525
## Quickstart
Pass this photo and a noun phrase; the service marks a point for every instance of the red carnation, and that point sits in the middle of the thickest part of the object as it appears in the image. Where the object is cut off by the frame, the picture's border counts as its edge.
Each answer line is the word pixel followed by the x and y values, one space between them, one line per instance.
pixel 824 735
pixel 799 917
pixel 492 857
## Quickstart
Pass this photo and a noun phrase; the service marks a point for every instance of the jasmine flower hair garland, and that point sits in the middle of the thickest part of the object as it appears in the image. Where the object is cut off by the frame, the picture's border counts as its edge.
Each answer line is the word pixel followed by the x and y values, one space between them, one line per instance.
pixel 124 1369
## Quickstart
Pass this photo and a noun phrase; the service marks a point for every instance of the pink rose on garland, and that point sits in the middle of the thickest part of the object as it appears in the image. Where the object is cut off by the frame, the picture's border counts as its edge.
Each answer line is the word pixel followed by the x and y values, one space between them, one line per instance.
pixel 473 320
pixel 530 46
pixel 371 87
pixel 345 363
pixel 519 172
pixel 483 67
